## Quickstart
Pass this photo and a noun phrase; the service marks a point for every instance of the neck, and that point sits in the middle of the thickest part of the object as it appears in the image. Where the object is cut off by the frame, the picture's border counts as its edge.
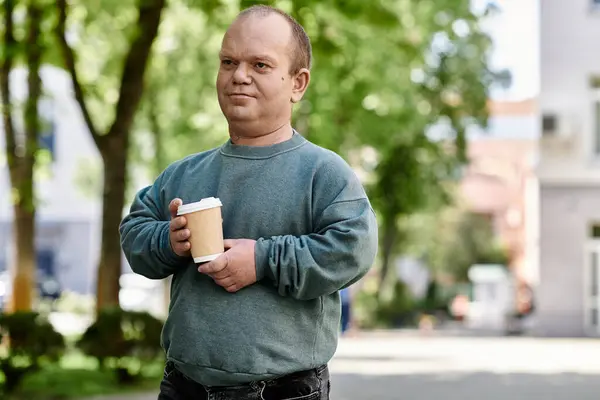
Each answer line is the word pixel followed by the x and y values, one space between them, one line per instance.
pixel 281 134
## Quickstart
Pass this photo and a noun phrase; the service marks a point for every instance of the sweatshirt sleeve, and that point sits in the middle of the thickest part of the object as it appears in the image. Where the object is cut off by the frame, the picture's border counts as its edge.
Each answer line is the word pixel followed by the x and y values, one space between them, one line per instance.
pixel 145 236
pixel 339 252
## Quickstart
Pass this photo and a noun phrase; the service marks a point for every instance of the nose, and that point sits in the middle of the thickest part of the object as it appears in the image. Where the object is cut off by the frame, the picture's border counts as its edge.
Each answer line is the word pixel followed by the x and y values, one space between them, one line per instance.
pixel 241 76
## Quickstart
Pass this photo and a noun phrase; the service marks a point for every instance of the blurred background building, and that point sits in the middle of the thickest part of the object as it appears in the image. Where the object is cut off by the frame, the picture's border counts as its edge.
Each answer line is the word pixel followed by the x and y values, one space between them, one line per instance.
pixel 500 181
pixel 569 169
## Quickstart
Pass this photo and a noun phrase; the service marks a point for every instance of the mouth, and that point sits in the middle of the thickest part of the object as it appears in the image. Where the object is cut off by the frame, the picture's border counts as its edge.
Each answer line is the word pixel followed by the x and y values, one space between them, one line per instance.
pixel 240 96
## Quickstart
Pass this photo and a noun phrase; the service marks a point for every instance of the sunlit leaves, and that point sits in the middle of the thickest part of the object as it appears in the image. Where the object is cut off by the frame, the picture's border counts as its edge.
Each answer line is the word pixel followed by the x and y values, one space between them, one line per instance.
pixel 384 73
pixel 100 32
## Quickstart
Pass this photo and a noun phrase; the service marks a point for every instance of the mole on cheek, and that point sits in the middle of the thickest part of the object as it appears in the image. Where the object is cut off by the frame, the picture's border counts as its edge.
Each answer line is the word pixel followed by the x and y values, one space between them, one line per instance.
pixel 282 78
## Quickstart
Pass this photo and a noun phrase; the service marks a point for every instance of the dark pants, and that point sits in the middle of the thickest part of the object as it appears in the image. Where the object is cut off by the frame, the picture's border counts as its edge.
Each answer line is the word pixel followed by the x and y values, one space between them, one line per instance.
pixel 306 385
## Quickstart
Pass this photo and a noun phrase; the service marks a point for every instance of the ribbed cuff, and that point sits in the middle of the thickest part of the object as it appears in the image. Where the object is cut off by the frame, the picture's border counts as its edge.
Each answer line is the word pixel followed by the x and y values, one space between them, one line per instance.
pixel 262 249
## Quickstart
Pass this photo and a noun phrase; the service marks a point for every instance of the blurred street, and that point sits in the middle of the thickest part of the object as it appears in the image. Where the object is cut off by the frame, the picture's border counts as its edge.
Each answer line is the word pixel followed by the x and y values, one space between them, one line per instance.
pixel 398 366
pixel 389 366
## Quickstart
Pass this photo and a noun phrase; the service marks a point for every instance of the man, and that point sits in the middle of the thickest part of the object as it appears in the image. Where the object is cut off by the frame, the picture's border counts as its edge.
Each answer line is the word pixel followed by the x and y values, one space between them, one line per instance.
pixel 262 320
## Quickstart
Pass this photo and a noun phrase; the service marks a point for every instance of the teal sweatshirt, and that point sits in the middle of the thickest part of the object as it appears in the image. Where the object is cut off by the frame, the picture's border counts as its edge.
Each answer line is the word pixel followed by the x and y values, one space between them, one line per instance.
pixel 316 234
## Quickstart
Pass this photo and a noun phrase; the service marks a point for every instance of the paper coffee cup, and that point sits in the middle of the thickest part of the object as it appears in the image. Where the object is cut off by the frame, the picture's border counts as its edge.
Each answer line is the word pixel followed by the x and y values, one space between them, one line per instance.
pixel 206 228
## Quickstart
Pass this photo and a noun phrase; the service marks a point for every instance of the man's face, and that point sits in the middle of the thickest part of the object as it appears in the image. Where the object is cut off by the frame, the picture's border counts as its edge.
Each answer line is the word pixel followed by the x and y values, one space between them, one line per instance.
pixel 254 85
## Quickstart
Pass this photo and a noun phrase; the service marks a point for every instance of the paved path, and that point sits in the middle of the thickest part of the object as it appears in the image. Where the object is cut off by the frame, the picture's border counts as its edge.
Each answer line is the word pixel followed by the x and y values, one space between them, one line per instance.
pixel 397 367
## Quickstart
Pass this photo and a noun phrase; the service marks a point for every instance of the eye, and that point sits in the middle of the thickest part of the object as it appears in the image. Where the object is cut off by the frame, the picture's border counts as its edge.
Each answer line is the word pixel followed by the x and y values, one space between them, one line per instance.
pixel 260 65
pixel 226 62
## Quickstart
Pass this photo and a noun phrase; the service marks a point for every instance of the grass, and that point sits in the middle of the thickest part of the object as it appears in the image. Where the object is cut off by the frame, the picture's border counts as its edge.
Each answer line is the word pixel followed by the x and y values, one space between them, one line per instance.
pixel 77 376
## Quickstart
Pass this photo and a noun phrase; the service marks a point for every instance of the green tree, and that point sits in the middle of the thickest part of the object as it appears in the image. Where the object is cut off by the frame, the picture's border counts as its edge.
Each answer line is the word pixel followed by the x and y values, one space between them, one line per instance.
pixel 120 36
pixel 384 75
pixel 22 148
pixel 455 239
pixel 179 111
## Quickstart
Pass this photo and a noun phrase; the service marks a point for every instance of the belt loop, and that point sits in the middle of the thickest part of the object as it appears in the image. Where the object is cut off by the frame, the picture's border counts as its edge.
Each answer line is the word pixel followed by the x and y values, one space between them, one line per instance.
pixel 259 386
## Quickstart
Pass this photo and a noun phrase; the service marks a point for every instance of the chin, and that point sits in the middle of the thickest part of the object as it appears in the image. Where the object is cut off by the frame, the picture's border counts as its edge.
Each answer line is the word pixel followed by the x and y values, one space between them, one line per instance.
pixel 239 116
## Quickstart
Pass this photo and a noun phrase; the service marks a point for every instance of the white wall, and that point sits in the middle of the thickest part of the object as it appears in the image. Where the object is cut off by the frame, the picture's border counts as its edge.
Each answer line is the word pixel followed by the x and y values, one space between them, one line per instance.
pixel 560 296
pixel 570 33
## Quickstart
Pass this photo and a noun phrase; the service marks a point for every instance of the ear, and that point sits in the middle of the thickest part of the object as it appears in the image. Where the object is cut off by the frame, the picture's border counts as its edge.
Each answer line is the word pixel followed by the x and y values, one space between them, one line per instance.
pixel 300 83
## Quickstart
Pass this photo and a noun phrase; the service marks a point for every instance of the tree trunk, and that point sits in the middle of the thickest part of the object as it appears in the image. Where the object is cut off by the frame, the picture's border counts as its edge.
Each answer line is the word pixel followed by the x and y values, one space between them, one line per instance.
pixel 24 285
pixel 114 155
pixel 113 145
pixel 24 275
pixel 9 44
pixel 390 235
pixel 21 156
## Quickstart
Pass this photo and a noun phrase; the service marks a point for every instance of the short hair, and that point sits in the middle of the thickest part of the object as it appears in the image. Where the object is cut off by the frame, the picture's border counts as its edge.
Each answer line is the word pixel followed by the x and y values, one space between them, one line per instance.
pixel 301 55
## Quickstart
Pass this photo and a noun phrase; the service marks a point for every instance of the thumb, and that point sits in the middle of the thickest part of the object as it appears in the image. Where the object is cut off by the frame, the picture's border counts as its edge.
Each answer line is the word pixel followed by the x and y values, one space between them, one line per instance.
pixel 174 205
pixel 229 243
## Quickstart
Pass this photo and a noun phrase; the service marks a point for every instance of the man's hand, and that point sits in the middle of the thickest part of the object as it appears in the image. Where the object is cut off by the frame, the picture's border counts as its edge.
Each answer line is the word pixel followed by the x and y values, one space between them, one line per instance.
pixel 178 233
pixel 235 269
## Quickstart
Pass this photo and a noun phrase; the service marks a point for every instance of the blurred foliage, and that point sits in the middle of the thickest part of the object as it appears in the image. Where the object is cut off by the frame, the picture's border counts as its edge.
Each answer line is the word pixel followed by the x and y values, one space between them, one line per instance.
pixel 123 341
pixel 79 382
pixel 453 240
pixel 433 300
pixel 22 42
pixel 385 74
pixel 180 112
pixel 105 47
pixel 401 309
pixel 33 344
pixel 394 86
pixel 74 303
pixel 372 310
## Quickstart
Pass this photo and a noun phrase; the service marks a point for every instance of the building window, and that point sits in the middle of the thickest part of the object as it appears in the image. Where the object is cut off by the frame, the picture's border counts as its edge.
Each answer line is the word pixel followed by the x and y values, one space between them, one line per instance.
pixel 549 124
pixel 595 231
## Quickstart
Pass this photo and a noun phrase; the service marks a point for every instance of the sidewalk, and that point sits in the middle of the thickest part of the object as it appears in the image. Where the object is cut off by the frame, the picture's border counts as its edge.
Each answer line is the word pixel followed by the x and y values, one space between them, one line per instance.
pixel 402 364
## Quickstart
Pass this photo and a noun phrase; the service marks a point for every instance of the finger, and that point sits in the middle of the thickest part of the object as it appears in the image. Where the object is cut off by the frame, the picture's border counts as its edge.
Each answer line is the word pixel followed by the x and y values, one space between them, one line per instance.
pixel 182 235
pixel 182 247
pixel 229 243
pixel 216 265
pixel 232 288
pixel 177 223
pixel 174 205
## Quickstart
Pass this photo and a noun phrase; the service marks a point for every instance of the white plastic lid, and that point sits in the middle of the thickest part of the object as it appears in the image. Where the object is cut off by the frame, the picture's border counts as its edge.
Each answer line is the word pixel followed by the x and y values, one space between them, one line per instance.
pixel 209 202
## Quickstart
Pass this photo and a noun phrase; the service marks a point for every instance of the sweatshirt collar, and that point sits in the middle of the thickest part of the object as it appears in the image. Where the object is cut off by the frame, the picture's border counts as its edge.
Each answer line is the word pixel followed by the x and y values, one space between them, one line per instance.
pixel 261 152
